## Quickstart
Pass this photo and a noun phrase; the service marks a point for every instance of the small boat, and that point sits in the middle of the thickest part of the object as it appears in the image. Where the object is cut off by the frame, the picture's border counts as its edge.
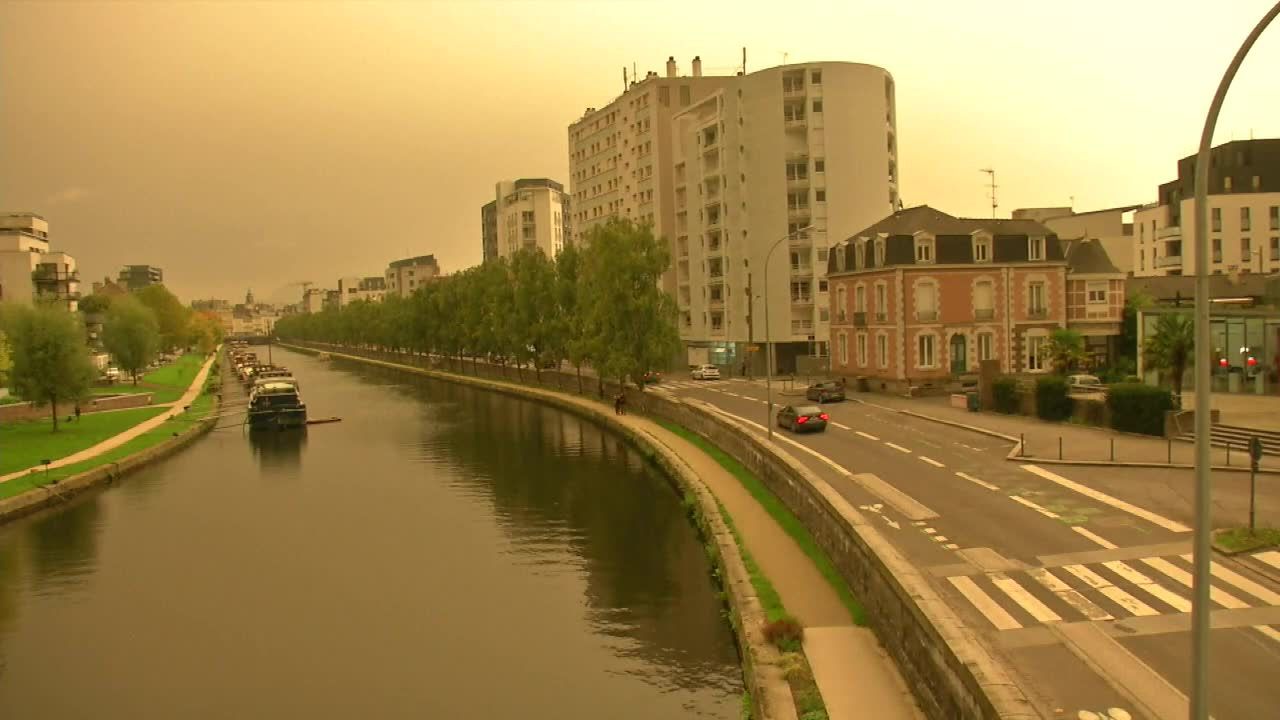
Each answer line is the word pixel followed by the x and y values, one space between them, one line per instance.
pixel 275 404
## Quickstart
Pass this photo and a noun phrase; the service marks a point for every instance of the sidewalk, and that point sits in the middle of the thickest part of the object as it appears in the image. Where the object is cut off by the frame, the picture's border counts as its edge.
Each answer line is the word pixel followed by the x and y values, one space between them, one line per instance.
pixel 1260 412
pixel 1078 442
pixel 175 408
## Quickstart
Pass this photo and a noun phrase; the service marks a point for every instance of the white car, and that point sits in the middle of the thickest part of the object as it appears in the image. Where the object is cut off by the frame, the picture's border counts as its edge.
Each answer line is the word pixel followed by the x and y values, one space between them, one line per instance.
pixel 706 372
pixel 112 374
pixel 1085 384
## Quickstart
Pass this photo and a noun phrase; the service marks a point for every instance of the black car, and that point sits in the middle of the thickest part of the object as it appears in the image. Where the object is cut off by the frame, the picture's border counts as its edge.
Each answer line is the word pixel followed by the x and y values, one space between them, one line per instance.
pixel 802 418
pixel 825 392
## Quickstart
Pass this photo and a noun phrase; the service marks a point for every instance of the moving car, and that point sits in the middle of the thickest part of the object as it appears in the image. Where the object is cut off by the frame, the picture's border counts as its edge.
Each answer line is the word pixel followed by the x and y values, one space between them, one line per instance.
pixel 706 372
pixel 1085 384
pixel 652 377
pixel 824 392
pixel 802 418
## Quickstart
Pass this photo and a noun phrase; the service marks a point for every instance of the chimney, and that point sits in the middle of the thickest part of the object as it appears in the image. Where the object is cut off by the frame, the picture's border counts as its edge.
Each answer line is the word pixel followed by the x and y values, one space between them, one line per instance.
pixel 697 66
pixel 671 67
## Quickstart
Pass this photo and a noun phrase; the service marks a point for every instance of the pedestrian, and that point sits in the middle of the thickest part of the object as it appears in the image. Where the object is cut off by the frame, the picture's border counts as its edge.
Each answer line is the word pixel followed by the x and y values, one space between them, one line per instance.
pixel 77 411
pixel 620 404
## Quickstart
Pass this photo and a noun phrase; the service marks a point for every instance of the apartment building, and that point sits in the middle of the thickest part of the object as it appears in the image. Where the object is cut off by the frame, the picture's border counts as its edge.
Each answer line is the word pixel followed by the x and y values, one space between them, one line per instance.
pixel 726 168
pixel 1113 227
pixel 136 277
pixel 526 213
pixel 351 289
pixel 1244 214
pixel 29 270
pixel 921 297
pixel 405 276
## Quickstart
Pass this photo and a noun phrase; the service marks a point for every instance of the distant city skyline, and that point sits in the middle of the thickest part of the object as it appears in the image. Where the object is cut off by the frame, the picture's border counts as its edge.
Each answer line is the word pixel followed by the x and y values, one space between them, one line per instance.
pixel 254 145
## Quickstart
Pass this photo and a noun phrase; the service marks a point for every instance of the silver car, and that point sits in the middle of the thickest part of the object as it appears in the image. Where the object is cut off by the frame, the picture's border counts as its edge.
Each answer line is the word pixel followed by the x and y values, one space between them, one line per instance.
pixel 705 372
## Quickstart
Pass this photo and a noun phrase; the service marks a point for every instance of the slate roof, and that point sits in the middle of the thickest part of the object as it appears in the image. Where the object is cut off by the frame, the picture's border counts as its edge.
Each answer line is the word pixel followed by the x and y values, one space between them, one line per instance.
pixel 1089 257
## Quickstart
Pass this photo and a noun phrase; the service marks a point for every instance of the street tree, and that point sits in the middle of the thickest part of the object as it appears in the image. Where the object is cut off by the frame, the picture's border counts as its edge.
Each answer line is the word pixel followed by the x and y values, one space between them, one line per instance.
pixel 131 334
pixel 173 317
pixel 50 358
pixel 1170 347
pixel 1064 350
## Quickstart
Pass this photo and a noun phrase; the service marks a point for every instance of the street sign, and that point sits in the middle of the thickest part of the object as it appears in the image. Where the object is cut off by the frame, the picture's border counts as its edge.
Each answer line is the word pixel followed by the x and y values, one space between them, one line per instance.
pixel 1255 451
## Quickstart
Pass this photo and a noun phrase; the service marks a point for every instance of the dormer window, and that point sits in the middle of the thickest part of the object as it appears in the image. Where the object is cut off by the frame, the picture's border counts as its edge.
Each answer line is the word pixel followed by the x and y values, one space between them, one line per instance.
pixel 840 258
pixel 981 248
pixel 860 254
pixel 1035 247
pixel 879 250
pixel 924 248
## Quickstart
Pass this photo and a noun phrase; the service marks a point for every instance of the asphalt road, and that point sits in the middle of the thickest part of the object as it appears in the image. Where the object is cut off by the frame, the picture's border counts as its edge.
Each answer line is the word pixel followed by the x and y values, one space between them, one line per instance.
pixel 1079 576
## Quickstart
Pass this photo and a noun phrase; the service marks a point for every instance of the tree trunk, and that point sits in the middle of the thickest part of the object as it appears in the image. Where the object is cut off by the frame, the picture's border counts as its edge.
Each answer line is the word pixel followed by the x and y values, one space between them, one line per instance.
pixel 53 405
pixel 579 369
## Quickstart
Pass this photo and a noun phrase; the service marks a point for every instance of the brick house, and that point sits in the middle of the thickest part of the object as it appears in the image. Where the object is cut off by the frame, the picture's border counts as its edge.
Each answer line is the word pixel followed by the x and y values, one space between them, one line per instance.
pixel 1095 299
pixel 921 297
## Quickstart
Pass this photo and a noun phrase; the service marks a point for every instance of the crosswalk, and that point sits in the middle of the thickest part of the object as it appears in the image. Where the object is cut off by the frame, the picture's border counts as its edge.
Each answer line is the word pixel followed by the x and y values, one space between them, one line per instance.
pixel 1106 590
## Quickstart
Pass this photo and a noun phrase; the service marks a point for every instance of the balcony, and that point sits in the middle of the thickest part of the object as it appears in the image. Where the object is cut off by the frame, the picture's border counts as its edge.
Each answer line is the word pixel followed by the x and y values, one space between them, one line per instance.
pixel 801 327
pixel 800 182
pixel 717 329
pixel 716 302
pixel 801 299
pixel 801 270
pixel 1172 232
pixel 984 313
pixel 798 213
pixel 51 275
pixel 926 315
pixel 882 317
pixel 793 91
pixel 859 319
pixel 794 122
pixel 715 249
pixel 1169 261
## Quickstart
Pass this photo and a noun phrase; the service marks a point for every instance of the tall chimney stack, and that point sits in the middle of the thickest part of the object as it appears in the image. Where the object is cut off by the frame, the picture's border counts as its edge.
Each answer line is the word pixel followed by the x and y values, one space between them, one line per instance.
pixel 671 66
pixel 697 66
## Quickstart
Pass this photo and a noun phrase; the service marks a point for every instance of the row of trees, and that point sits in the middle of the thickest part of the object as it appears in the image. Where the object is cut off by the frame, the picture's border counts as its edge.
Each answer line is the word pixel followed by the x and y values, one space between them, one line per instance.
pixel 138 326
pixel 599 305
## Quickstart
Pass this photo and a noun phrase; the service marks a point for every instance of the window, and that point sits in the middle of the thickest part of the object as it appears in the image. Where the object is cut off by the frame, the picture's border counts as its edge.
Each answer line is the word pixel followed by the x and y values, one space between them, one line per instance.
pixel 840 258
pixel 1274 212
pixel 1217 250
pixel 820 165
pixel 1035 299
pixel 862 349
pixel 822 285
pixel 926 302
pixel 1245 220
pixel 880 252
pixel 982 250
pixel 1035 247
pixel 822 254
pixel 986 346
pixel 983 300
pixel 924 250
pixel 815 77
pixel 842 300
pixel 1097 292
pixel 817 106
pixel 882 306
pixel 1245 247
pixel 882 351
pixel 844 349
pixel 824 315
pixel 860 299
pixel 1035 347
pixel 820 195
pixel 684 96
pixel 1275 248
pixel 1216 214
pixel 924 351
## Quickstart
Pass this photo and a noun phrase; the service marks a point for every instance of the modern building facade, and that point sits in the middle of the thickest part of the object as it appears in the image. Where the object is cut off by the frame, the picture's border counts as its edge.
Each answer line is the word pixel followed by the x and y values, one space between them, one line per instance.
pixel 351 289
pixel 1244 214
pixel 29 270
pixel 526 213
pixel 1113 227
pixel 725 169
pixel 922 297
pixel 136 277
pixel 405 276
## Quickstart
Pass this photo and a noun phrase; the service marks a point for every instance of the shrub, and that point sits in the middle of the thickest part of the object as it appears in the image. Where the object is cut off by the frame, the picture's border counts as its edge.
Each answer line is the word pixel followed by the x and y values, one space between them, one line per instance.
pixel 785 633
pixel 1052 402
pixel 1005 392
pixel 1139 408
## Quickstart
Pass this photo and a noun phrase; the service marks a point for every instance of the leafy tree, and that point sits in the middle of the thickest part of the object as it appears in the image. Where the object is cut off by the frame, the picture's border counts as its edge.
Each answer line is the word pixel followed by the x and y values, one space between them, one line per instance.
pixel 1064 350
pixel 1170 348
pixel 131 334
pixel 50 359
pixel 571 334
pixel 94 304
pixel 534 315
pixel 173 317
pixel 206 331
pixel 6 359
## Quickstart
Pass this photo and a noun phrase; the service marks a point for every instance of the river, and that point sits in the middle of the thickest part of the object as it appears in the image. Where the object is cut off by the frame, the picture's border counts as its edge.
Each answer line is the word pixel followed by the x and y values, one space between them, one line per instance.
pixel 444 552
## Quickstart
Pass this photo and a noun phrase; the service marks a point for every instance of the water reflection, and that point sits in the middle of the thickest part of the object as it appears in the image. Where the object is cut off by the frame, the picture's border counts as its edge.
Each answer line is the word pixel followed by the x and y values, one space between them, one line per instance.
pixel 63 546
pixel 278 450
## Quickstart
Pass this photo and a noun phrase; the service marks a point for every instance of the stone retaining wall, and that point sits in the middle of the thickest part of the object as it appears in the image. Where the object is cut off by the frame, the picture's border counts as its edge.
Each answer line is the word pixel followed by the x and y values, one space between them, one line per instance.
pixel 17 412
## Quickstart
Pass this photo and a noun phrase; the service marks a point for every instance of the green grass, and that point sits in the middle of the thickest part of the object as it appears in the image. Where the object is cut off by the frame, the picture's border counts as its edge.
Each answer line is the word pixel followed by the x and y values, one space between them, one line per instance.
pixel 179 425
pixel 25 444
pixel 123 387
pixel 10 400
pixel 1243 540
pixel 779 512
pixel 174 378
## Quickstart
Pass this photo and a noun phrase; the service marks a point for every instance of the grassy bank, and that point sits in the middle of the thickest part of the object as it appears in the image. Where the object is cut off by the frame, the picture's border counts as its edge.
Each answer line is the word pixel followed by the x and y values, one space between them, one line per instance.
pixel 200 408
pixel 779 512
pixel 169 382
pixel 1242 539
pixel 27 443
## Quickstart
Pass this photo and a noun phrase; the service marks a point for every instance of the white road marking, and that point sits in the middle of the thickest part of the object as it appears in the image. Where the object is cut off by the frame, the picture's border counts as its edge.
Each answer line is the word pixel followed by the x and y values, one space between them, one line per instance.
pixel 1270 557
pixel 951 546
pixel 1106 499
pixel 1130 603
pixel 892 523
pixel 931 461
pixel 918 523
pixel 841 425
pixel 1234 578
pixel 1222 597
pixel 1070 596
pixel 869 436
pixel 976 481
pixel 939 538
pixel 929 531
pixel 899 448
pixel 1025 600
pixel 1023 501
pixel 1173 600
pixel 980 600
pixel 1094 537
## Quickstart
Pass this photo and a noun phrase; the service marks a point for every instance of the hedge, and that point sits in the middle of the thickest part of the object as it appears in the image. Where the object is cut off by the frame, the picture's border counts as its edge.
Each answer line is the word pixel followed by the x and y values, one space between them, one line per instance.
pixel 1052 402
pixel 1139 408
pixel 1005 392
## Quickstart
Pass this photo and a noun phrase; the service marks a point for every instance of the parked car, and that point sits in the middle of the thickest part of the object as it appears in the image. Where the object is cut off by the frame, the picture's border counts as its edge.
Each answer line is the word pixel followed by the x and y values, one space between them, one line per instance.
pixel 1085 384
pixel 706 372
pixel 802 418
pixel 112 374
pixel 829 391
pixel 652 377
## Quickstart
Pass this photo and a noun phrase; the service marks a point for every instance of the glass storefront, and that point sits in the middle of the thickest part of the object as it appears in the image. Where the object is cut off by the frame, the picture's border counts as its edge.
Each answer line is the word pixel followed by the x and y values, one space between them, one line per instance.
pixel 1245 350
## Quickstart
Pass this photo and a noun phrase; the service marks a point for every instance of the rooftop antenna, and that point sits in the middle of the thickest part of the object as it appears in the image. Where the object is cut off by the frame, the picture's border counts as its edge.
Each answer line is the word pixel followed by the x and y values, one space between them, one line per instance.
pixel 784 57
pixel 744 60
pixel 994 204
pixel 624 78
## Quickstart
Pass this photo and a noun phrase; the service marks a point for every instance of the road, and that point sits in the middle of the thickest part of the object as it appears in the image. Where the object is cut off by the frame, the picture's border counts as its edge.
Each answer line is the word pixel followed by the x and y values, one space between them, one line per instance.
pixel 1079 577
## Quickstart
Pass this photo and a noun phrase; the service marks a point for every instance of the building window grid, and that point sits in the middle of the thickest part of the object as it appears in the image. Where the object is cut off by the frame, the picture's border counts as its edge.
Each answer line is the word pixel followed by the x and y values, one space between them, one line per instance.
pixel 986 346
pixel 1246 221
pixel 1035 299
pixel 925 356
pixel 1035 350
pixel 1035 247
pixel 882 351
pixel 1096 292
pixel 862 349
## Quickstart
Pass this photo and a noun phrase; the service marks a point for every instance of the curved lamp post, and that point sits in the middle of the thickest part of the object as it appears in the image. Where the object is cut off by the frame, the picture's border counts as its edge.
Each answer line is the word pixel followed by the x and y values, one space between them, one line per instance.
pixel 768 336
pixel 1200 599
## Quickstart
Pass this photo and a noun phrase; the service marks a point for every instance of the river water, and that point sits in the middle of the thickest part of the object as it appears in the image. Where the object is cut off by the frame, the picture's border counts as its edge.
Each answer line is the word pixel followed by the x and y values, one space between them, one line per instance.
pixel 443 552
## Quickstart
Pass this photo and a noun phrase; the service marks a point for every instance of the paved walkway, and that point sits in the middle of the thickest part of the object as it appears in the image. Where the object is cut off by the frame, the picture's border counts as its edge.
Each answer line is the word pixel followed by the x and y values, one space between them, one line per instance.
pixel 1242 409
pixel 175 408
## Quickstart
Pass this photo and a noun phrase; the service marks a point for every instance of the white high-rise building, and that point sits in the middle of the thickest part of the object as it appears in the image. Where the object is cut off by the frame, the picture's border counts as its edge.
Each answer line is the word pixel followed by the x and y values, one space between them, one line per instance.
pixel 726 168
pixel 29 270
pixel 527 213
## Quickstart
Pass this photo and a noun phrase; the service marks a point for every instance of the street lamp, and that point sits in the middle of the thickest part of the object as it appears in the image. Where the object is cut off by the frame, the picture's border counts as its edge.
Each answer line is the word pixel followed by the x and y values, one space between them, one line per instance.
pixel 768 335
pixel 1200 597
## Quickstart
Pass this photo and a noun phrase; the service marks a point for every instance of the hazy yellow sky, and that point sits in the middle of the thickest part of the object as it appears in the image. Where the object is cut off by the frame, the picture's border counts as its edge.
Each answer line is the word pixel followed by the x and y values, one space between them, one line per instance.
pixel 241 145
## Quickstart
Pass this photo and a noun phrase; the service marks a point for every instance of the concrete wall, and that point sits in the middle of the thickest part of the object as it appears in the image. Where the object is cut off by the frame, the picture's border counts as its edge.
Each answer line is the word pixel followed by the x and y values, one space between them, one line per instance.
pixel 18 412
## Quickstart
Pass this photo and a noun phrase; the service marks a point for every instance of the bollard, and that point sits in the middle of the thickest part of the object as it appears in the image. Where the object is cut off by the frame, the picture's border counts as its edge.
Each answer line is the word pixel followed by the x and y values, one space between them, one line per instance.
pixel 1022 445
pixel 1113 449
pixel 1228 455
pixel 1059 447
pixel 1170 441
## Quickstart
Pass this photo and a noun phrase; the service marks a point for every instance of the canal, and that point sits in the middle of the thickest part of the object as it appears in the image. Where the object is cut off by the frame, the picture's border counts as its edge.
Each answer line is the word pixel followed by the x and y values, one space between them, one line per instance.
pixel 443 552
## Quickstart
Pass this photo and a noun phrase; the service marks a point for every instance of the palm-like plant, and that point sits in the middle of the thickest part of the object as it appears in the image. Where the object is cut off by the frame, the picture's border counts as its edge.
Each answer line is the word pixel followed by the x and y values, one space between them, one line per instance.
pixel 1064 350
pixel 1169 349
